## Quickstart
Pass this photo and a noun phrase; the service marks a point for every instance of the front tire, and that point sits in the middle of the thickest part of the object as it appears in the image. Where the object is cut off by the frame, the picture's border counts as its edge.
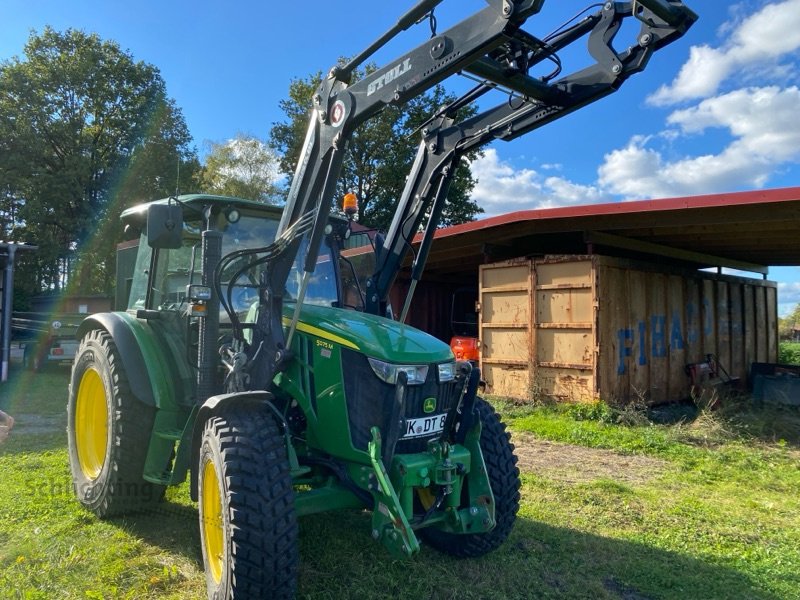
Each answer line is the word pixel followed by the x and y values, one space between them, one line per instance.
pixel 108 432
pixel 248 525
pixel 501 467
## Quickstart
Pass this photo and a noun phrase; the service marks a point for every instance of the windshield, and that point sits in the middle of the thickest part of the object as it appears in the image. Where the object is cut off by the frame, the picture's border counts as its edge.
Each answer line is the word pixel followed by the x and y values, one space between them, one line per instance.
pixel 174 269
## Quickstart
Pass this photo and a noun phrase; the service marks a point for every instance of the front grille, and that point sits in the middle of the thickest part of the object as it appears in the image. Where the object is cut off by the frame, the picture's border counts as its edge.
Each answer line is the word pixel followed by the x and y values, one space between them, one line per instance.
pixel 369 402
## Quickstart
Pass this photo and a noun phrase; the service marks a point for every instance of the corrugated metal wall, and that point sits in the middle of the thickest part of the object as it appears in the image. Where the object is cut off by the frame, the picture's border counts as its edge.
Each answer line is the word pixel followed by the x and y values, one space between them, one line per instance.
pixel 582 327
pixel 653 323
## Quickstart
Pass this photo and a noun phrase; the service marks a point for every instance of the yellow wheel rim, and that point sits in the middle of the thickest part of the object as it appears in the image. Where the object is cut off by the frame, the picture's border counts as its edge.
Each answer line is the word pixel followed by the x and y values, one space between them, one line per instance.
pixel 213 534
pixel 91 424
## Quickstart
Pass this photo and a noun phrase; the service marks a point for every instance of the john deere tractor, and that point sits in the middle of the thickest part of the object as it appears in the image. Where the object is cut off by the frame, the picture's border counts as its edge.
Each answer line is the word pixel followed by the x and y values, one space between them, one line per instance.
pixel 258 353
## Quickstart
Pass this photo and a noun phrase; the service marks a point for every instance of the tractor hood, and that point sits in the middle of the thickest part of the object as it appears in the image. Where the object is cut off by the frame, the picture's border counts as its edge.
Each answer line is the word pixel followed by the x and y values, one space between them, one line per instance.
pixel 376 337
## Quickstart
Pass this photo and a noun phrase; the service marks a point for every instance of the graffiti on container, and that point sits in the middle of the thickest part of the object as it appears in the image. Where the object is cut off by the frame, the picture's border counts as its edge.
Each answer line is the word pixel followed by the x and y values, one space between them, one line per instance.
pixel 669 333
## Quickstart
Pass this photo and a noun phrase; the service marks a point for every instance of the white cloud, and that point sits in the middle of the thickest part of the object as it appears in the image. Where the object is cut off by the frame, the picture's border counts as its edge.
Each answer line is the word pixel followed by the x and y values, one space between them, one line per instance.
pixel 765 36
pixel 789 292
pixel 501 188
pixel 766 134
pixel 738 139
pixel 788 297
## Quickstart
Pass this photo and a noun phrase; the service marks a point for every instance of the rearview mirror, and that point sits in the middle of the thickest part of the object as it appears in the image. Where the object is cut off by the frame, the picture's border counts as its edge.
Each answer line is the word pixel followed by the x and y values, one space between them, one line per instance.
pixel 164 225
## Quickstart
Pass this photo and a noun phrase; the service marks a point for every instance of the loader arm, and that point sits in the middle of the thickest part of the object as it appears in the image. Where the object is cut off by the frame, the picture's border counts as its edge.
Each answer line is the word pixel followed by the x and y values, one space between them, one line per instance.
pixel 338 109
pixel 488 44
pixel 534 104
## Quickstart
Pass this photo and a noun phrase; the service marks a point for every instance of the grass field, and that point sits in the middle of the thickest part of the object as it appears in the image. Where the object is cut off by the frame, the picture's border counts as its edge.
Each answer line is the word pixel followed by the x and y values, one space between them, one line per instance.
pixel 789 353
pixel 706 506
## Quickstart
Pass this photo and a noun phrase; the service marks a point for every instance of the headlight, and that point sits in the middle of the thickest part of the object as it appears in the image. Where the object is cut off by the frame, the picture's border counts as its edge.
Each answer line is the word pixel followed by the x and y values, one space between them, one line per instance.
pixel 388 372
pixel 447 372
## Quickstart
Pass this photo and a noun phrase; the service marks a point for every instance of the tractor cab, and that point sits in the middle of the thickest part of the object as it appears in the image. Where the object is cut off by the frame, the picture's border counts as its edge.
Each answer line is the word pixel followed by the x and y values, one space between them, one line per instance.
pixel 166 269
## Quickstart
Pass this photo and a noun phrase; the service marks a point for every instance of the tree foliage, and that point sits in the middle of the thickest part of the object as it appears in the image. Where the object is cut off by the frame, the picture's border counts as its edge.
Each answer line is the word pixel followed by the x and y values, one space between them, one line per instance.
pixel 787 324
pixel 244 166
pixel 85 131
pixel 379 155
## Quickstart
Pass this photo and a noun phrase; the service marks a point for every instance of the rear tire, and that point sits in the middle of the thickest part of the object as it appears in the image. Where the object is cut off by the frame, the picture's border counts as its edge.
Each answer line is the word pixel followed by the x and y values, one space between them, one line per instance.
pixel 108 432
pixel 248 525
pixel 501 467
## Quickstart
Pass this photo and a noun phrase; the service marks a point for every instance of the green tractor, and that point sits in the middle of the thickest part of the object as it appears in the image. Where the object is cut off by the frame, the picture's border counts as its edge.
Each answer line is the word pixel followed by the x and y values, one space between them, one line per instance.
pixel 258 353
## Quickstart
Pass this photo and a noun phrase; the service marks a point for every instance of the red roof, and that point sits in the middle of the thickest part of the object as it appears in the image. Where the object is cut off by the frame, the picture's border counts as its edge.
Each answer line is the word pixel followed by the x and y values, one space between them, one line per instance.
pixel 757 227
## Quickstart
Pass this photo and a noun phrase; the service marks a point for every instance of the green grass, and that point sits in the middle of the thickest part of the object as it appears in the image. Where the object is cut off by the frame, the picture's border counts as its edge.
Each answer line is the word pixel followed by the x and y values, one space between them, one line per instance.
pixel 718 518
pixel 789 353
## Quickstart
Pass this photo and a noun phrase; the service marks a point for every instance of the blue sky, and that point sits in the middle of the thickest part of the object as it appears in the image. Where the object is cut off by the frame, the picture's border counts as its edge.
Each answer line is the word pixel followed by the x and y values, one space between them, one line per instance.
pixel 714 112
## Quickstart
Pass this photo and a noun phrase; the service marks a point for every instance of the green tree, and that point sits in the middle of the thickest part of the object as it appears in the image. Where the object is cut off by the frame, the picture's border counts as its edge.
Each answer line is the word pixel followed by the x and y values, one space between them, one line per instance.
pixel 379 155
pixel 86 131
pixel 244 166
pixel 787 324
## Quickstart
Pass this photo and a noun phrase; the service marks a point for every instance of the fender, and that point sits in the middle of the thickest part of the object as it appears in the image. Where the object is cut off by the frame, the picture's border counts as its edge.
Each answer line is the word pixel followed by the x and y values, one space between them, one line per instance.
pixel 216 405
pixel 129 351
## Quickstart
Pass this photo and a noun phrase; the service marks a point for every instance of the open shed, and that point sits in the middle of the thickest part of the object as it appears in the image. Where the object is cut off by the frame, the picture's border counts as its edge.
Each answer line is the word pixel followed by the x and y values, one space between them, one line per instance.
pixel 669 239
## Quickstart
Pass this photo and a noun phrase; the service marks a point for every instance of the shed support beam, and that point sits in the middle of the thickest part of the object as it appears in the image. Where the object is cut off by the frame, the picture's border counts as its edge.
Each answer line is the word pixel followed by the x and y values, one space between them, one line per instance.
pixel 618 241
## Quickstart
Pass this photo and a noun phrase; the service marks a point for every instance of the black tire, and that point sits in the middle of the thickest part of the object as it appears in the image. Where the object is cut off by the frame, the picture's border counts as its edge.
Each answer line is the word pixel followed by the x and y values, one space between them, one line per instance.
pixel 248 525
pixel 108 432
pixel 501 466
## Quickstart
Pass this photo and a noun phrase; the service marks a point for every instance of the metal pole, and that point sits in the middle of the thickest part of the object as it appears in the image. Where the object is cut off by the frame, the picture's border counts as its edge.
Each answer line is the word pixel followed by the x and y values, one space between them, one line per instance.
pixel 208 346
pixel 8 305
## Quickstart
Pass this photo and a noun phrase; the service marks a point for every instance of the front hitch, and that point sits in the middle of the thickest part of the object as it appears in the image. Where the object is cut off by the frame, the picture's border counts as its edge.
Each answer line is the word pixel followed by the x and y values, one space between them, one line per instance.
pixel 389 522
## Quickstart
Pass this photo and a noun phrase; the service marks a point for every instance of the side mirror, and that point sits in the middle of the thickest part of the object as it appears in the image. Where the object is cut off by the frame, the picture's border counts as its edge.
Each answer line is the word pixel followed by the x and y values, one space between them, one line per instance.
pixel 164 225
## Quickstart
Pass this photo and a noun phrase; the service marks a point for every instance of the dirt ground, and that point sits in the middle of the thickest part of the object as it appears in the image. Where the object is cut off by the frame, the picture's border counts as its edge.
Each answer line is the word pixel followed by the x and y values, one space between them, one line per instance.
pixel 576 464
pixel 562 462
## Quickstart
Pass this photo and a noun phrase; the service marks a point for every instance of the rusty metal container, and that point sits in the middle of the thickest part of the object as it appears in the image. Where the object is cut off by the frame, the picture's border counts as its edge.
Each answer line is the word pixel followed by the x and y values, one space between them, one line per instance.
pixel 584 327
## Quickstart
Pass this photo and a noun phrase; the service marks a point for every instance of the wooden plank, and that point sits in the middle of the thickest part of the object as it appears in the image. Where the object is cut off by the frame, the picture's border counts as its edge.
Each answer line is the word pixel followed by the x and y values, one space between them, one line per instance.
pixel 772 324
pixel 566 385
pixel 505 307
pixel 723 324
pixel 564 306
pixel 509 274
pixel 505 344
pixel 565 346
pixel 618 241
pixel 561 365
pixel 736 299
pixel 708 318
pixel 676 314
pixel 562 299
pixel 760 297
pixel 659 338
pixel 639 325
pixel 532 320
pixel 504 327
pixel 557 272
pixel 748 309
pixel 507 288
pixel 616 336
pixel 565 286
pixel 694 320
pixel 595 265
pixel 506 361
pixel 563 325
pixel 507 380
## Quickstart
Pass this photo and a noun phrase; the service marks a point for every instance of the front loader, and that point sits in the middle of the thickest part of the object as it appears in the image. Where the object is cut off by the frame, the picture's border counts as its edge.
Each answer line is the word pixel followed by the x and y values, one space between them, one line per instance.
pixel 257 357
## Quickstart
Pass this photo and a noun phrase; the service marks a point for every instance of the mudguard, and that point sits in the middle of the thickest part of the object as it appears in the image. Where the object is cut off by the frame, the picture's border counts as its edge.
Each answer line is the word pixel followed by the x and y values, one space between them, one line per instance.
pixel 148 363
pixel 129 350
pixel 214 405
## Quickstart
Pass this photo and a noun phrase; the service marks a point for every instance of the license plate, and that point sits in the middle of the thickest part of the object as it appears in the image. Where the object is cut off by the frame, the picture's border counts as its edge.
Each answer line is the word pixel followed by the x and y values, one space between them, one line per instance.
pixel 424 426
